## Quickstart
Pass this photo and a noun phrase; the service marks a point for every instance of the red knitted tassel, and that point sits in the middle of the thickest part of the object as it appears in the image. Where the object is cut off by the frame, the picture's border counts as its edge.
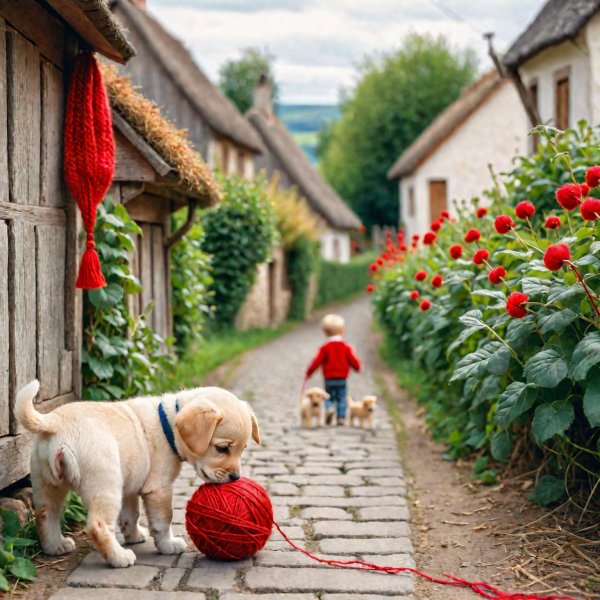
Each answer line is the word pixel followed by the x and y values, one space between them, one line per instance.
pixel 89 156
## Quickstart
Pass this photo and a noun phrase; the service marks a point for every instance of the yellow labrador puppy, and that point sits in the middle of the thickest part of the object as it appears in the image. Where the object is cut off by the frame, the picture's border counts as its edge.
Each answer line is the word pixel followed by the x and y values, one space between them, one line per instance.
pixel 363 411
pixel 311 407
pixel 114 453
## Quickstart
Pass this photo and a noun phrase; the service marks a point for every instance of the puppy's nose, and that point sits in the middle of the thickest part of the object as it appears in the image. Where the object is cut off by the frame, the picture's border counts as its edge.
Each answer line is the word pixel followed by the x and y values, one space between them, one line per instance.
pixel 234 476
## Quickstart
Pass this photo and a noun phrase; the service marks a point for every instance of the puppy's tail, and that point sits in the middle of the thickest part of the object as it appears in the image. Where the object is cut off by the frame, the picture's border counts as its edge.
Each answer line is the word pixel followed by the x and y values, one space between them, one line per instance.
pixel 30 418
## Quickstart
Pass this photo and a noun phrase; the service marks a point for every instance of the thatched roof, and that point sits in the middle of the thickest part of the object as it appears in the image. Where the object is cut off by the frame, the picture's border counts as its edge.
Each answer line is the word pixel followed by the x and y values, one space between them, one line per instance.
pixel 96 24
pixel 557 21
pixel 311 185
pixel 171 146
pixel 219 112
pixel 445 124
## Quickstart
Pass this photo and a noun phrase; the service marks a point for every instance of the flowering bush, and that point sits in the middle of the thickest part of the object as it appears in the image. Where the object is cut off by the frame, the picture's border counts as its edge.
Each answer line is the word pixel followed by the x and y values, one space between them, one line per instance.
pixel 510 344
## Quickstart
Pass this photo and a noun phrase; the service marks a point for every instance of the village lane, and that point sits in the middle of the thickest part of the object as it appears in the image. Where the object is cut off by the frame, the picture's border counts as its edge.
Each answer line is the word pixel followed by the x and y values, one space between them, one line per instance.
pixel 339 492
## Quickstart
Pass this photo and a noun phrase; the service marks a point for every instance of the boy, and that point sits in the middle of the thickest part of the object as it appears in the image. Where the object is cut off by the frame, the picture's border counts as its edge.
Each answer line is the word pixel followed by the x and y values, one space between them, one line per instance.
pixel 336 357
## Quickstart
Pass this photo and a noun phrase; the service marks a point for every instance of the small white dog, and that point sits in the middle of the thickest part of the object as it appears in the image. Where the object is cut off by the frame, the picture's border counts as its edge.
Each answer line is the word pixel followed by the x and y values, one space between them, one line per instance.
pixel 311 407
pixel 363 411
pixel 113 453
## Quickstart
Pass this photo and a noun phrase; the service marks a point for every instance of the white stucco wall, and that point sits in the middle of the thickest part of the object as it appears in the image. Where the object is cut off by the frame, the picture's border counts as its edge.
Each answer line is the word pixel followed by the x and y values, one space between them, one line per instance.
pixel 335 245
pixel 494 134
pixel 215 153
pixel 543 67
pixel 592 36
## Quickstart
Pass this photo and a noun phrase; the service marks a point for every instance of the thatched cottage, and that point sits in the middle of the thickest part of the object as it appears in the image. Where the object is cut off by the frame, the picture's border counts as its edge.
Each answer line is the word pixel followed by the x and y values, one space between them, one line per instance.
pixel 40 309
pixel 157 172
pixel 170 77
pixel 449 160
pixel 557 58
pixel 282 155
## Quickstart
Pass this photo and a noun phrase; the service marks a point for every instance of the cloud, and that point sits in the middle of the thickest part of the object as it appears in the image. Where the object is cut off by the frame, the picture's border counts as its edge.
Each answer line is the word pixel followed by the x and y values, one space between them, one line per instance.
pixel 318 43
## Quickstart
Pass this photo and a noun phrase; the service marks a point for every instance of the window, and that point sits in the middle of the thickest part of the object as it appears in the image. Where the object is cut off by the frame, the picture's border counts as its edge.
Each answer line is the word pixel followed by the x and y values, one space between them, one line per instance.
pixel 562 99
pixel 411 201
pixel 534 95
pixel 437 198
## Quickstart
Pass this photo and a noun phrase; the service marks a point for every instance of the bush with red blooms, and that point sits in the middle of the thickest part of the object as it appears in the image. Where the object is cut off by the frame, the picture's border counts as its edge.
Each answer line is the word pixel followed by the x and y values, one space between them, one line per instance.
pixel 515 329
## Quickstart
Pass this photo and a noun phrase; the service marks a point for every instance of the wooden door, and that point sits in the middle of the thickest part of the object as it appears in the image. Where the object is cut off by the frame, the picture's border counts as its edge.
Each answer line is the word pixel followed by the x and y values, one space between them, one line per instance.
pixel 562 102
pixel 437 198
pixel 40 318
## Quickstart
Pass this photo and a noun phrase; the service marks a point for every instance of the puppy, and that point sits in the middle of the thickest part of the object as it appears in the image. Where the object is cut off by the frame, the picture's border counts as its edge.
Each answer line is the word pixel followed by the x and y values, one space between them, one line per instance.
pixel 311 407
pixel 364 411
pixel 114 453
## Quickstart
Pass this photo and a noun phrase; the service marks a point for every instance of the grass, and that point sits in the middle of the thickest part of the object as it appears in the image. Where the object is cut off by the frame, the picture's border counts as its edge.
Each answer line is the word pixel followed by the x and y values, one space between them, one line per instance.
pixel 199 360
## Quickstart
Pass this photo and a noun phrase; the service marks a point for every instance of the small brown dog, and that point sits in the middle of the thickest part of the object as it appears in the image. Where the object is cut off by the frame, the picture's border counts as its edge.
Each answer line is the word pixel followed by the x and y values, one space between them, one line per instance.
pixel 311 407
pixel 364 411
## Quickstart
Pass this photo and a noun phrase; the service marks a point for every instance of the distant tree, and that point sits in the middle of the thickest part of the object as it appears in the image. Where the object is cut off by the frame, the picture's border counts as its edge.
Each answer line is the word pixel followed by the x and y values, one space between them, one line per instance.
pixel 238 77
pixel 395 99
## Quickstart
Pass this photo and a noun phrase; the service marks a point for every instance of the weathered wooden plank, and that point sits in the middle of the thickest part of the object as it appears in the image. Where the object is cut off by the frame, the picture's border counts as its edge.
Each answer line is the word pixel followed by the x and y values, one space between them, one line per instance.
pixel 24 119
pixel 3 116
pixel 22 309
pixel 52 187
pixel 130 165
pixel 146 267
pixel 36 215
pixel 148 209
pixel 50 251
pixel 134 264
pixel 66 371
pixel 159 282
pixel 4 333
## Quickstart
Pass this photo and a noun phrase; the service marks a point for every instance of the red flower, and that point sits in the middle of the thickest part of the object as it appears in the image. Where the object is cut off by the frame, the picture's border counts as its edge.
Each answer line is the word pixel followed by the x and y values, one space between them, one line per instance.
pixel 525 209
pixel 481 212
pixel 480 256
pixel 569 195
pixel 373 267
pixel 590 209
pixel 444 214
pixel 456 251
pixel 436 225
pixel 552 222
pixel 421 275
pixel 429 238
pixel 415 237
pixel 472 235
pixel 495 275
pixel 370 288
pixel 592 177
pixel 402 247
pixel 425 305
pixel 414 245
pixel 503 224
pixel 414 295
pixel 362 229
pixel 555 256
pixel 514 305
pixel 436 281
pixel 380 262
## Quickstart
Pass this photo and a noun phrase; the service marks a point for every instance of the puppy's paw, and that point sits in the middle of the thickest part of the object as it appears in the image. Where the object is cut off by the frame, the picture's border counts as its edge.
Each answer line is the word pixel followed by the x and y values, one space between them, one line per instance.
pixel 65 546
pixel 139 536
pixel 123 558
pixel 172 545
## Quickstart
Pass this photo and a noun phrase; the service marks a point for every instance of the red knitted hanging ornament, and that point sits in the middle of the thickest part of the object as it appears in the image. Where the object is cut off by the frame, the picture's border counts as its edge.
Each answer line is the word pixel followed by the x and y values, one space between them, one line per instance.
pixel 89 156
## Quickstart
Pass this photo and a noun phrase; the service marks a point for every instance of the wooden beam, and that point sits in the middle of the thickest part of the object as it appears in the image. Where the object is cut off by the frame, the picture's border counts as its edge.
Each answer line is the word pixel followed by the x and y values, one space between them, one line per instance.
pixel 177 235
pixel 37 215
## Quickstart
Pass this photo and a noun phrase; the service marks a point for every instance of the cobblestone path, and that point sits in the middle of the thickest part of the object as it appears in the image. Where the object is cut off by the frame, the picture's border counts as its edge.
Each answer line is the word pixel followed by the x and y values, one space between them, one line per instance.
pixel 339 492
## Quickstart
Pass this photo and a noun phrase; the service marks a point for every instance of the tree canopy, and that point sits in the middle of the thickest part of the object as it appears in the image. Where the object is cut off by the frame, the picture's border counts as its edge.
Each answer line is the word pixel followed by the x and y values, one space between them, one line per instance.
pixel 396 97
pixel 238 77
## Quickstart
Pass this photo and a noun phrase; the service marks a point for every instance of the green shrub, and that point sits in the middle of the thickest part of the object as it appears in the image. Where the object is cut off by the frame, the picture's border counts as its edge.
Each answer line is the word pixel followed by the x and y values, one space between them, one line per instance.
pixel 191 280
pixel 337 281
pixel 301 264
pixel 509 386
pixel 239 234
pixel 121 355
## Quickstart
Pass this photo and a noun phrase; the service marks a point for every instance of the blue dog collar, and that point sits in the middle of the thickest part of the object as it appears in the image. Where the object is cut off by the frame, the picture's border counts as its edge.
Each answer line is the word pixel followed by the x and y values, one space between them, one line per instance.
pixel 166 427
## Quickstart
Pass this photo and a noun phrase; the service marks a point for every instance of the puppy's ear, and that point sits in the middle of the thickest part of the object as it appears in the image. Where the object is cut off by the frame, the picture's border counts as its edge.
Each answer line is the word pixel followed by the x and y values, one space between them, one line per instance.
pixel 196 423
pixel 255 430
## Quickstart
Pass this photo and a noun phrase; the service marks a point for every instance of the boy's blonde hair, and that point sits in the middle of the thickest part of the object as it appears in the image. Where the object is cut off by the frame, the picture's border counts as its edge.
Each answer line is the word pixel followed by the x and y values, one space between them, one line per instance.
pixel 333 324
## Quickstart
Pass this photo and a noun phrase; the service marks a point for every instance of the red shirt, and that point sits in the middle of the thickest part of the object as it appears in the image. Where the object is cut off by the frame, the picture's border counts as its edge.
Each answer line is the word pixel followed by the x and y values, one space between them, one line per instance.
pixel 336 357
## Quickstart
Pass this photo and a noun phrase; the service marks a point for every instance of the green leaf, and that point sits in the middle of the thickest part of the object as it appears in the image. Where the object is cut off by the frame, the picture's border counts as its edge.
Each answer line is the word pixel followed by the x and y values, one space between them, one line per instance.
pixel 518 331
pixel 12 526
pixel 107 296
pixel 472 318
pixel 100 368
pixel 552 419
pixel 559 292
pixel 548 489
pixel 501 445
pixel 591 400
pixel 546 368
pixel 19 542
pixel 104 345
pixel 535 287
pixel 499 361
pixel 516 399
pixel 4 586
pixel 496 295
pixel 556 321
pixel 23 568
pixel 585 356
pixel 113 220
pixel 475 363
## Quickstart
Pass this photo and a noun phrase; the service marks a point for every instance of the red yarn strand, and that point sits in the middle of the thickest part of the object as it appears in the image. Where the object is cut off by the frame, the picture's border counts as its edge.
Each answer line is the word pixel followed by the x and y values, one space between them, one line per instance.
pixel 89 156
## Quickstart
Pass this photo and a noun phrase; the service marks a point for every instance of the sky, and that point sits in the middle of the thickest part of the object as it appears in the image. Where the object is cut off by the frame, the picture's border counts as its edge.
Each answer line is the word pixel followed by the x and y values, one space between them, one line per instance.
pixel 318 44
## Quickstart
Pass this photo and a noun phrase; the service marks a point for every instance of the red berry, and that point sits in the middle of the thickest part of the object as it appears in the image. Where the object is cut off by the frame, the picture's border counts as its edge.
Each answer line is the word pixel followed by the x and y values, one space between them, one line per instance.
pixel 421 275
pixel 425 305
pixel 496 275
pixel 436 225
pixel 414 295
pixel 429 238
pixel 590 209
pixel 481 212
pixel 472 235
pixel 415 237
pixel 592 176
pixel 437 281
pixel 503 224
pixel 514 305
pixel 525 209
pixel 555 256
pixel 370 288
pixel 552 222
pixel 456 251
pixel 444 214
pixel 480 256
pixel 569 195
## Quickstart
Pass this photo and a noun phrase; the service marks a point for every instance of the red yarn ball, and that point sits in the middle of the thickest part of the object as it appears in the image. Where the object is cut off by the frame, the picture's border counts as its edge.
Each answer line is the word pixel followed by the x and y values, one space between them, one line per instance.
pixel 229 521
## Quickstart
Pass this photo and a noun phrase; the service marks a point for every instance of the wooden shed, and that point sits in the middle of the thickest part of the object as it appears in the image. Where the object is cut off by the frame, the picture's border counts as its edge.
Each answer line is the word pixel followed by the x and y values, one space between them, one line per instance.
pixel 157 172
pixel 39 306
